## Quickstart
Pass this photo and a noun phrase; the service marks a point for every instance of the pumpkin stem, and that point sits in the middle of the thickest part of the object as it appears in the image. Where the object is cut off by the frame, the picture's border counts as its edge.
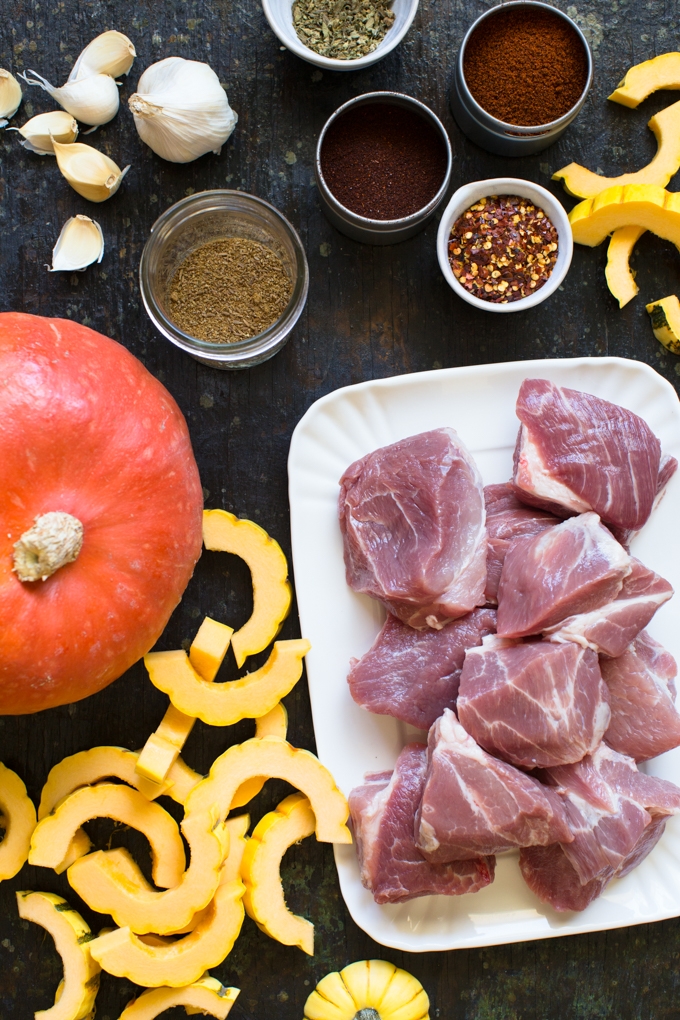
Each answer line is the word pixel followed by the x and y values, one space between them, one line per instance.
pixel 367 1013
pixel 56 538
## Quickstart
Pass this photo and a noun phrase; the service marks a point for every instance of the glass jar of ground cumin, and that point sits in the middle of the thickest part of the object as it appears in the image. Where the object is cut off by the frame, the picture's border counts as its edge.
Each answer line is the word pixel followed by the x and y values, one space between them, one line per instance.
pixel 522 75
pixel 224 277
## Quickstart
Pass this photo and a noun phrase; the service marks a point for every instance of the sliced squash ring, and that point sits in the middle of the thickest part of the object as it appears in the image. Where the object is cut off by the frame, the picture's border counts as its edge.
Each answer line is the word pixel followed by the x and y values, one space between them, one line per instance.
pixel 88 767
pixel 264 898
pixel 227 703
pixel 18 821
pixel 110 882
pixel 620 277
pixel 641 205
pixel 163 747
pixel 665 316
pixel 662 72
pixel 185 961
pixel 53 834
pixel 207 995
pixel 583 183
pixel 77 991
pixel 375 986
pixel 273 724
pixel 224 532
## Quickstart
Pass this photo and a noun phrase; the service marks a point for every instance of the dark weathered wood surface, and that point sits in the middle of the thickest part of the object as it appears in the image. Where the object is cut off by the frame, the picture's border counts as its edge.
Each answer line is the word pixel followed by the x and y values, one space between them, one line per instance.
pixel 371 312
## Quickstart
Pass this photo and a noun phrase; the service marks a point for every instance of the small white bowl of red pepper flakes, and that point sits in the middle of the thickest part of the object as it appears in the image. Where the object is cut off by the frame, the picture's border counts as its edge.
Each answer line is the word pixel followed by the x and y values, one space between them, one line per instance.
pixel 504 245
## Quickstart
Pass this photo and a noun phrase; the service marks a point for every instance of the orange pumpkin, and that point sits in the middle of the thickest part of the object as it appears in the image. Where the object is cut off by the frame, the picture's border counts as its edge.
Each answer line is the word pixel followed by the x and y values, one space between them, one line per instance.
pixel 97 450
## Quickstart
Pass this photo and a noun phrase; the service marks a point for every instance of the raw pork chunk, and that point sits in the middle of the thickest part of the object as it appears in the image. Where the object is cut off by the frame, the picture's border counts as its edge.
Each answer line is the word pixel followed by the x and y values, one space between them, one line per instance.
pixel 573 568
pixel 610 629
pixel 412 519
pixel 474 804
pixel 577 452
pixel 534 705
pixel 645 721
pixel 507 520
pixel 382 813
pixel 413 675
pixel 616 815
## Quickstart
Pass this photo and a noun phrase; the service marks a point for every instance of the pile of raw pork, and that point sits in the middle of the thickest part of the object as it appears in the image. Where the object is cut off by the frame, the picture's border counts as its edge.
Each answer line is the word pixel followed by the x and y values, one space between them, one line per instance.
pixel 515 635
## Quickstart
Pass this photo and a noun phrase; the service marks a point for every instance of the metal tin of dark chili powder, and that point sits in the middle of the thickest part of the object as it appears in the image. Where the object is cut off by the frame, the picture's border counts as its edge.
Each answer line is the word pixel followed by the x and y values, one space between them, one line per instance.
pixel 383 166
pixel 522 75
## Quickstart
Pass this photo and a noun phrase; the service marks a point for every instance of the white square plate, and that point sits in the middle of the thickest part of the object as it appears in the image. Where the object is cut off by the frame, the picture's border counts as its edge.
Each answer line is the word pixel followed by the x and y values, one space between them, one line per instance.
pixel 479 402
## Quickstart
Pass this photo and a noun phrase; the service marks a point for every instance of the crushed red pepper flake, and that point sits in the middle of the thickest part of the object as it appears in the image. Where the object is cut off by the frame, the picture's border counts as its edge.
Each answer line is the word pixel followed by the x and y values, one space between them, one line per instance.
pixel 503 248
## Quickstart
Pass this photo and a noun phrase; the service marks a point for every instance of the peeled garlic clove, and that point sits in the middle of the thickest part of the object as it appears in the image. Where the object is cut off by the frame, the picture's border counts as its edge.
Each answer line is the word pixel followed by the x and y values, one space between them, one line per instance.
pixel 89 172
pixel 181 111
pixel 92 100
pixel 41 131
pixel 110 53
pixel 79 244
pixel 10 96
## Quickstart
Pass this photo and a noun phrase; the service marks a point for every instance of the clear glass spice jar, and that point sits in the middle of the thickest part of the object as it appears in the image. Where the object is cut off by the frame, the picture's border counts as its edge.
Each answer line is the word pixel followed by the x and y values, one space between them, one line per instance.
pixel 210 216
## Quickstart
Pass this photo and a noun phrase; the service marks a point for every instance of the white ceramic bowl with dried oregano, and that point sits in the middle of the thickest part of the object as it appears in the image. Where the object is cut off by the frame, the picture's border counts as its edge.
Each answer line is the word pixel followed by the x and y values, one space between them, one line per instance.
pixel 279 14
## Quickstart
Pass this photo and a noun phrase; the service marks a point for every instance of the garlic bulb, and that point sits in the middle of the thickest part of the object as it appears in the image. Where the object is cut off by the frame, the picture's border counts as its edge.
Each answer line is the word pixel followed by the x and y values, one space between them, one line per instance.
pixel 79 244
pixel 89 172
pixel 10 96
pixel 110 53
pixel 181 111
pixel 92 100
pixel 39 132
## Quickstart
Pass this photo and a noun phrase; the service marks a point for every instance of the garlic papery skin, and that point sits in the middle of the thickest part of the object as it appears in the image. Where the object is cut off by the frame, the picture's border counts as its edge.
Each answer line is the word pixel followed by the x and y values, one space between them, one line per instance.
pixel 110 53
pixel 10 96
pixel 92 100
pixel 89 172
pixel 40 132
pixel 181 111
pixel 79 244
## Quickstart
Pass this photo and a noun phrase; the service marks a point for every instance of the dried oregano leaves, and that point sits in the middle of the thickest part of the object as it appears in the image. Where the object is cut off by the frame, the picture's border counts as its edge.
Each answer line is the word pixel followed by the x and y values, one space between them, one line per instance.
pixel 229 290
pixel 343 29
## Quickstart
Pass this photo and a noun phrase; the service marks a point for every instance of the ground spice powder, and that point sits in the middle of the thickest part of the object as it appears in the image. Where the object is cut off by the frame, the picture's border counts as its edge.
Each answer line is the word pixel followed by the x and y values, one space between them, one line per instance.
pixel 525 67
pixel 228 290
pixel 382 161
pixel 503 248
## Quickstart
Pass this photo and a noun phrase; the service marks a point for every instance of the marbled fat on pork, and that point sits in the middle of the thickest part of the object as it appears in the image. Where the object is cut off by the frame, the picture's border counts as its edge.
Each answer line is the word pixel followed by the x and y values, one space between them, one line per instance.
pixel 382 813
pixel 507 520
pixel 534 705
pixel 645 721
pixel 616 815
pixel 572 568
pixel 413 675
pixel 576 452
pixel 412 519
pixel 610 629
pixel 474 805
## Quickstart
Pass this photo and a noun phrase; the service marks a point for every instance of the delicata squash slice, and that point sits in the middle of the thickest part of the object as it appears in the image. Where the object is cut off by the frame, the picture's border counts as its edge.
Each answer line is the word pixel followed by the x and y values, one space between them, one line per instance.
pixel 53 834
pixel 228 703
pixel 207 996
pixel 368 990
pixel 640 205
pixel 583 183
pixel 224 532
pixel 662 72
pixel 111 883
pixel 161 750
pixel 72 938
pixel 17 818
pixel 155 962
pixel 264 899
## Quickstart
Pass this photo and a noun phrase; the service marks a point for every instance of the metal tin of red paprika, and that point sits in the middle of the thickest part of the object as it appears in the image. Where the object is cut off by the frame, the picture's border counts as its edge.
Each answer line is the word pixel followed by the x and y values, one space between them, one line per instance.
pixel 495 135
pixel 381 231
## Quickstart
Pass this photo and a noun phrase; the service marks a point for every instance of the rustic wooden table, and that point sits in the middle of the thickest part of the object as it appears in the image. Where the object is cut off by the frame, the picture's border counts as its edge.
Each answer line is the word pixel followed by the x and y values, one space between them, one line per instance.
pixel 371 312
